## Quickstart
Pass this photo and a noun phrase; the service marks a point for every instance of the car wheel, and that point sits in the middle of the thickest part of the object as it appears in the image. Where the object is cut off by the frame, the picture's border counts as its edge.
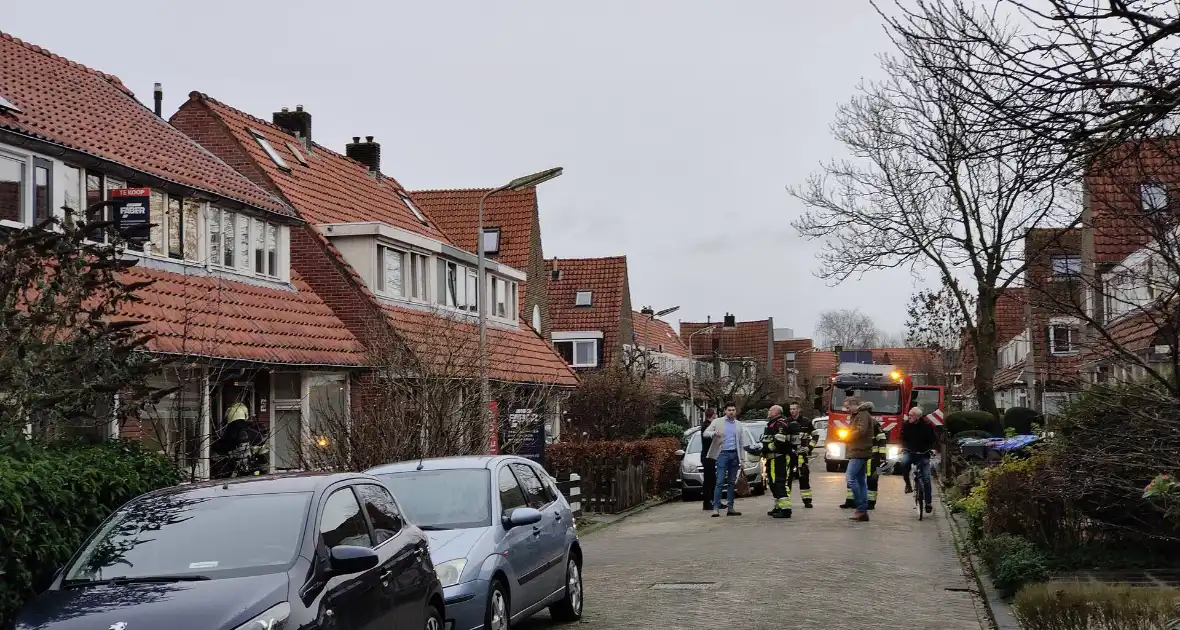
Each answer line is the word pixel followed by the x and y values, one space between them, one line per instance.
pixel 570 607
pixel 497 616
pixel 434 620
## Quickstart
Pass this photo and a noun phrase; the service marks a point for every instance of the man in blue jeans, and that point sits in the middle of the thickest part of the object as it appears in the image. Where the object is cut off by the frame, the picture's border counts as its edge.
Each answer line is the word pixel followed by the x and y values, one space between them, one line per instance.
pixel 728 444
pixel 860 449
pixel 918 438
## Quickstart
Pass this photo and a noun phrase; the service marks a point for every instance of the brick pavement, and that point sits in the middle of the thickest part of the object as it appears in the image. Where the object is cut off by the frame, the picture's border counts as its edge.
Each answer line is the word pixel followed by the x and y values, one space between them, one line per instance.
pixel 891 573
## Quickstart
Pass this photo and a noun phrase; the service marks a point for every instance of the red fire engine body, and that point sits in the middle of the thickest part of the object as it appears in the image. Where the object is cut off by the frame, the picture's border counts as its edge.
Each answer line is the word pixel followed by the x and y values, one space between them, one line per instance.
pixel 892 393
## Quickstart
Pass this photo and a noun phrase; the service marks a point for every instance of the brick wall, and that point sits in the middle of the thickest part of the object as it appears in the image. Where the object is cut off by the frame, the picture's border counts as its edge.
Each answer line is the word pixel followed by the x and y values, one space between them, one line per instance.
pixel 209 131
pixel 537 289
pixel 1049 296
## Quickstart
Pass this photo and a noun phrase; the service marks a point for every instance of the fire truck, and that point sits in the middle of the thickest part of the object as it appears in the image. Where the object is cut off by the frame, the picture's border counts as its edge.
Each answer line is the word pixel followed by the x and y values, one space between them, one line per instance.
pixel 892 393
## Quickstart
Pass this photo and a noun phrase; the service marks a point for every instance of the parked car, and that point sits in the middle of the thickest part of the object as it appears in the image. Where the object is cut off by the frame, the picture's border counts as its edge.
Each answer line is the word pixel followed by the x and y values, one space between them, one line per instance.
pixel 292 551
pixel 502 537
pixel 820 431
pixel 692 474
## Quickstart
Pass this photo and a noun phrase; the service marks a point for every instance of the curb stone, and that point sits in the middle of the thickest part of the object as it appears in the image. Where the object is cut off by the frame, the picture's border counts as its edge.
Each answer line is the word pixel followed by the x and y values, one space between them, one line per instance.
pixel 999 612
pixel 625 514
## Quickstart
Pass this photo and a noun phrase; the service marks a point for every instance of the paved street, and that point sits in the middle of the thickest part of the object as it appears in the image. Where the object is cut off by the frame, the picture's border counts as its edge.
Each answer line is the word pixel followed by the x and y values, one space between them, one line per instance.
pixel 816 570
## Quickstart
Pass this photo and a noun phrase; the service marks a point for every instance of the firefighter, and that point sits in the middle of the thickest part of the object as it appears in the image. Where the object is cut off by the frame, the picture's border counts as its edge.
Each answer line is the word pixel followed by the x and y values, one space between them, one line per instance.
pixel 801 466
pixel 779 452
pixel 880 447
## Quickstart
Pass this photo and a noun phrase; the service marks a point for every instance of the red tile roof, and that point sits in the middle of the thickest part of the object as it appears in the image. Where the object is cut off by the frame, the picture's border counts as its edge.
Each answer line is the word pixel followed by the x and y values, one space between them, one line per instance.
pixel 515 355
pixel 1007 377
pixel 657 335
pixel 749 340
pixel 457 214
pixel 207 316
pixel 1116 211
pixel 332 188
pixel 1134 333
pixel 606 279
pixel 67 104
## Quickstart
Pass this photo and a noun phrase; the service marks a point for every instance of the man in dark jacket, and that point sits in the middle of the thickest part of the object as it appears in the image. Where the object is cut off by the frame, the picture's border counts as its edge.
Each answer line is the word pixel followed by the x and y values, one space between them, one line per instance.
pixel 918 438
pixel 860 450
pixel 710 465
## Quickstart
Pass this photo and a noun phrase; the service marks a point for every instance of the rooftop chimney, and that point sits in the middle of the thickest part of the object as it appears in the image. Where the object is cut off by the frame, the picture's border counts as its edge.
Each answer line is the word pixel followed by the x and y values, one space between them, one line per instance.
pixel 159 94
pixel 647 310
pixel 367 152
pixel 296 123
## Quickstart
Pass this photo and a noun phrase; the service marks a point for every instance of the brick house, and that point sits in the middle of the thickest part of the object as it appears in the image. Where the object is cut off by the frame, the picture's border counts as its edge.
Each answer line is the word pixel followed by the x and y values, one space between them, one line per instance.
pixel 590 310
pixel 1054 330
pixel 742 356
pixel 242 323
pixel 380 262
pixel 1011 380
pixel 660 354
pixel 512 236
pixel 788 366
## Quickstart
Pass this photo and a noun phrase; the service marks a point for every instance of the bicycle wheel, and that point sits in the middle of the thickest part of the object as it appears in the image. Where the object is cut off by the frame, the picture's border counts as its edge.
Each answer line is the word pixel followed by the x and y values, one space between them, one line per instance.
pixel 918 497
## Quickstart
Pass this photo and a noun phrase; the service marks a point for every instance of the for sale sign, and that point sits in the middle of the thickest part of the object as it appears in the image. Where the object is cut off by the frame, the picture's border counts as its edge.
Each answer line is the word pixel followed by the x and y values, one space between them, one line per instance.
pixel 132 213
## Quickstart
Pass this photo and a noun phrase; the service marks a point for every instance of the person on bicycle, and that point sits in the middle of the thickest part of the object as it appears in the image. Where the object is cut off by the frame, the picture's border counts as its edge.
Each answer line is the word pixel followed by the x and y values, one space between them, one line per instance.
pixel 918 438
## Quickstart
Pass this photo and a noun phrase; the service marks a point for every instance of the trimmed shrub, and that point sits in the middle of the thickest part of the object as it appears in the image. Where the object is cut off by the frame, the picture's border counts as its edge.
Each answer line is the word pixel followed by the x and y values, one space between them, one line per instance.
pixel 665 430
pixel 671 410
pixel 1013 562
pixel 659 454
pixel 974 420
pixel 1021 419
pixel 1096 607
pixel 53 497
pixel 973 433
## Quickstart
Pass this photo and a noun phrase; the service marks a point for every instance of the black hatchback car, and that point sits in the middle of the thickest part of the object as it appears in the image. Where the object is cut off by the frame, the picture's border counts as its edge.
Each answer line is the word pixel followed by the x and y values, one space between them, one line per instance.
pixel 262 553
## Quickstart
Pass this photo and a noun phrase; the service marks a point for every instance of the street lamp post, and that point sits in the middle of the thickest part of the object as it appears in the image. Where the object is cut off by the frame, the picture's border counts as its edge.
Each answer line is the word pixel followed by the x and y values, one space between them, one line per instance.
pixel 692 368
pixel 520 183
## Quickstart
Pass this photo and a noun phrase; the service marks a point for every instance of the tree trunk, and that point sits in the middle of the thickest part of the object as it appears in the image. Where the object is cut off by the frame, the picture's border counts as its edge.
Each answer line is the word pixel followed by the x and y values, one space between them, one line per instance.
pixel 985 352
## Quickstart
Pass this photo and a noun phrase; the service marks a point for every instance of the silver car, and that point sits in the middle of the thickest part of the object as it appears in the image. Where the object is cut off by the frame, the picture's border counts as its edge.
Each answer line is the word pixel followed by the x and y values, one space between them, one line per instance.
pixel 502 537
pixel 692 473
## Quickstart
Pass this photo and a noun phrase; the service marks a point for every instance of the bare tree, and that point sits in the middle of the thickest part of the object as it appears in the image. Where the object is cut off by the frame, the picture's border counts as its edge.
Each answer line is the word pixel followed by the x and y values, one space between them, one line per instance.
pixel 934 319
pixel 849 328
pixel 421 399
pixel 891 340
pixel 933 185
pixel 612 404
pixel 742 383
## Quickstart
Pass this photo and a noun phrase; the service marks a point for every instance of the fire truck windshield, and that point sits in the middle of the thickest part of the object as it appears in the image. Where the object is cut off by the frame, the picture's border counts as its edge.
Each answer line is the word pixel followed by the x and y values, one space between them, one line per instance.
pixel 885 401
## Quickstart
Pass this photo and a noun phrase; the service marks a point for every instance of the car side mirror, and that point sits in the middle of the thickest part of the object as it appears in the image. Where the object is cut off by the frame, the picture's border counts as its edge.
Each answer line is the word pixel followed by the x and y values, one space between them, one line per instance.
pixel 346 559
pixel 680 453
pixel 521 516
pixel 43 579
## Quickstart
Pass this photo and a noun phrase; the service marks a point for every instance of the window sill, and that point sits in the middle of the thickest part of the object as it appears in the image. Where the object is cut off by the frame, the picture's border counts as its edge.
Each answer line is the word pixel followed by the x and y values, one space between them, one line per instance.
pixel 1069 353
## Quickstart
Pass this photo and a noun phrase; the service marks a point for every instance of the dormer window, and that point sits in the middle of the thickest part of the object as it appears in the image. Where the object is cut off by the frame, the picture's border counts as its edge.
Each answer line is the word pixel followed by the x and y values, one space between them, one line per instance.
pixel 270 150
pixel 583 298
pixel 1067 266
pixel 491 241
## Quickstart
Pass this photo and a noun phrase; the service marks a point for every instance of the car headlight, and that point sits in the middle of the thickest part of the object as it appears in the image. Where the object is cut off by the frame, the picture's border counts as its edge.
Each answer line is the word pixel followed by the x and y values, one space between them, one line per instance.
pixel 835 450
pixel 842 434
pixel 450 571
pixel 892 451
pixel 700 469
pixel 273 619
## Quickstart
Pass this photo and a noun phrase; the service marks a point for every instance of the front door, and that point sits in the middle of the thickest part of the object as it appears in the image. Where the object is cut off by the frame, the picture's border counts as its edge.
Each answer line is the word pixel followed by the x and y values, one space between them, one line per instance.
pixel 356 601
pixel 521 545
pixel 552 539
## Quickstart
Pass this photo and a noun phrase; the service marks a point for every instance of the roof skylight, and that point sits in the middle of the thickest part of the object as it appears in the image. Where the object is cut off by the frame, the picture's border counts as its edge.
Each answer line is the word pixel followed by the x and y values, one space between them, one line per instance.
pixel 298 156
pixel 417 213
pixel 270 150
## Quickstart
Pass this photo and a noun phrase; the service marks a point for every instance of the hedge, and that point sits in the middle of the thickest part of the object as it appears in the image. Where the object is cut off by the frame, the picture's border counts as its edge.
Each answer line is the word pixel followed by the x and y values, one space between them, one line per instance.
pixel 973 420
pixel 665 430
pixel 658 453
pixel 53 497
pixel 1096 607
pixel 1021 419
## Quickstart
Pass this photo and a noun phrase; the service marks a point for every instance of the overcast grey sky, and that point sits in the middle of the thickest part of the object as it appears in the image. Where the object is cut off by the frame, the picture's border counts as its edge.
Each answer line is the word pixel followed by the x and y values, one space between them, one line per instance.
pixel 679 122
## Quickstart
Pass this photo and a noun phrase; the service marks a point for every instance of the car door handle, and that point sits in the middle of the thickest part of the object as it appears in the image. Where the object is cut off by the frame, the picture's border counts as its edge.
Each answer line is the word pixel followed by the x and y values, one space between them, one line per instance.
pixel 536 530
pixel 559 517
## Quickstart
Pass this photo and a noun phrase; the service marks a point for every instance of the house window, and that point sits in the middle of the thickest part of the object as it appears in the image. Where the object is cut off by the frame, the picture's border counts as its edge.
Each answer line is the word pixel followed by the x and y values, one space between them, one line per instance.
pixel 499 298
pixel 298 155
pixel 229 239
pixel 790 356
pixel 1067 265
pixel 472 290
pixel 1061 339
pixel 266 247
pixel 1153 196
pixel 42 190
pixel 451 290
pixel 491 241
pixel 390 280
pixel 578 352
pixel 537 317
pixel 12 186
pixel 418 277
pixel 417 213
pixel 583 298
pixel 270 150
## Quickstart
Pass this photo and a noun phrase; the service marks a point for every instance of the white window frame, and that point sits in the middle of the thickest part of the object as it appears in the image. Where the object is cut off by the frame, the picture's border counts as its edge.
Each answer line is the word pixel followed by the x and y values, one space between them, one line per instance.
pixel 574 344
pixel 1073 342
pixel 414 209
pixel 1071 266
pixel 499 286
pixel 589 301
pixel 1153 196
pixel 491 236
pixel 269 149
pixel 380 283
pixel 417 277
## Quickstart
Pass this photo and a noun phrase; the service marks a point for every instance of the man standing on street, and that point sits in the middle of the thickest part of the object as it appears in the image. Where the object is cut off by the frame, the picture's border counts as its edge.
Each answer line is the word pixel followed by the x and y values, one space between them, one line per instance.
pixel 778 451
pixel 860 450
pixel 708 465
pixel 729 441
pixel 802 466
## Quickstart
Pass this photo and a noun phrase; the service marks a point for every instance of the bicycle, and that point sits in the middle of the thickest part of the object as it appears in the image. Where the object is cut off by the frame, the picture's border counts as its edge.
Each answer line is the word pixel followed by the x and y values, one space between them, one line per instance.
pixel 916 472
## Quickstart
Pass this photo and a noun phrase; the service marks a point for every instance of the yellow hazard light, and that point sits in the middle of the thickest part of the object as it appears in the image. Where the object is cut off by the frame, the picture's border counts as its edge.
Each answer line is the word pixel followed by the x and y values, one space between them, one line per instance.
pixel 895 375
pixel 842 434
pixel 321 442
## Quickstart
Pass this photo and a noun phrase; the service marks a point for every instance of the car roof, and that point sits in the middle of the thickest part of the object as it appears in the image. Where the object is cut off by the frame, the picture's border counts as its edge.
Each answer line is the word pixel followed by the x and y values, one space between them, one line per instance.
pixel 467 462
pixel 262 484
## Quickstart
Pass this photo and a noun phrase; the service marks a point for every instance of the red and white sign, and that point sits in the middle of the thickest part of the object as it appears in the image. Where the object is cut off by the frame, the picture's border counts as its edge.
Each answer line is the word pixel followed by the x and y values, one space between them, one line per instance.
pixel 935 417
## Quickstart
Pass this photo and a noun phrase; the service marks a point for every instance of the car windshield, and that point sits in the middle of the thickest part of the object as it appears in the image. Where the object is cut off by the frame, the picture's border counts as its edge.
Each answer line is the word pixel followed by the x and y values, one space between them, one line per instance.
pixel 885 401
pixel 180 534
pixel 443 499
pixel 694 443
